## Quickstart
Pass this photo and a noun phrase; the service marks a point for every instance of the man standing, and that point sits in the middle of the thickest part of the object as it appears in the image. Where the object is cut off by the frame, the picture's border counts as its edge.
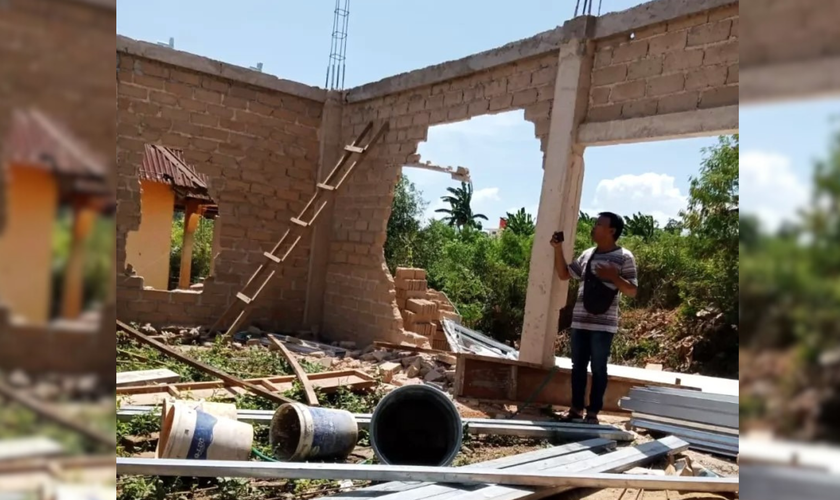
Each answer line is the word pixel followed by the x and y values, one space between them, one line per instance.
pixel 605 271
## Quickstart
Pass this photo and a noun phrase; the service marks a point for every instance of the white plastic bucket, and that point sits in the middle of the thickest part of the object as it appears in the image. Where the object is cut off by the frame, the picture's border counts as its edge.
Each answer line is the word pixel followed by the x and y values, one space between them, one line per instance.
pixel 197 435
pixel 301 433
pixel 218 410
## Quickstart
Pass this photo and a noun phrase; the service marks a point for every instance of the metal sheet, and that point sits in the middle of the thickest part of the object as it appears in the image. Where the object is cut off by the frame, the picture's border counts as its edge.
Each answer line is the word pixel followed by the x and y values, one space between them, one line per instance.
pixel 684 401
pixel 678 412
pixel 688 434
pixel 724 398
pixel 719 429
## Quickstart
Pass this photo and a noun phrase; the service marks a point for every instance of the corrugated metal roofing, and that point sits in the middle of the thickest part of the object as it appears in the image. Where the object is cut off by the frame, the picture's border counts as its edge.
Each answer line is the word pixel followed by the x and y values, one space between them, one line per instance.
pixel 36 140
pixel 167 165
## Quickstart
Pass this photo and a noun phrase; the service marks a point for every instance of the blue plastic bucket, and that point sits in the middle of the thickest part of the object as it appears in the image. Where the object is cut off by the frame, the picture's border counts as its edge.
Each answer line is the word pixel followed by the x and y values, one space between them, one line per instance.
pixel 303 433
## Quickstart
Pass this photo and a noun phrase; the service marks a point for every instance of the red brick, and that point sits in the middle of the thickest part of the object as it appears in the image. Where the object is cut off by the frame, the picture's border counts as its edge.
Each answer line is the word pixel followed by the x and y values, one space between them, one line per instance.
pixel 153 69
pixel 185 77
pixel 723 96
pixel 179 89
pixel 649 31
pixel 519 81
pixel 630 51
pixel 668 42
pixel 709 33
pixel 733 33
pixel 644 68
pixel 667 84
pixel 231 101
pixel 678 61
pixel 476 108
pixel 726 52
pixel 707 76
pixel 627 91
pixel 635 109
pixel 501 102
pixel 242 93
pixel 543 76
pixel 191 105
pixel 204 119
pixel 215 84
pixel 453 98
pixel 685 101
pixel 603 58
pixel 609 75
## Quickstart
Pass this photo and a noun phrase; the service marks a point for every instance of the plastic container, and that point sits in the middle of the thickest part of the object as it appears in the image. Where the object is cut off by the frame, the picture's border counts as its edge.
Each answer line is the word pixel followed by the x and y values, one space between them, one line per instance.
pixel 303 433
pixel 197 435
pixel 416 425
pixel 218 410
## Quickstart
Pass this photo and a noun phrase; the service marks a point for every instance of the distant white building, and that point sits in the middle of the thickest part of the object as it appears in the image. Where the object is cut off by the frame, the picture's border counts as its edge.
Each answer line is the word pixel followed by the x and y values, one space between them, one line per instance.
pixel 497 231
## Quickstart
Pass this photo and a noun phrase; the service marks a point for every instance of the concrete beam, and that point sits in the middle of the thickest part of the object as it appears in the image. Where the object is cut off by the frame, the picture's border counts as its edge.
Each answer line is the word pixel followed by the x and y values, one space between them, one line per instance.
pixel 700 123
pixel 814 78
pixel 547 41
pixel 217 68
pixel 653 12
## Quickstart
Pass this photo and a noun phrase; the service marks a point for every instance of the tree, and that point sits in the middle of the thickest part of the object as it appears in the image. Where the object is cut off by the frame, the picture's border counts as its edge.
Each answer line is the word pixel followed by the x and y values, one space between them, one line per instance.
pixel 643 226
pixel 404 224
pixel 520 223
pixel 712 226
pixel 673 226
pixel 460 212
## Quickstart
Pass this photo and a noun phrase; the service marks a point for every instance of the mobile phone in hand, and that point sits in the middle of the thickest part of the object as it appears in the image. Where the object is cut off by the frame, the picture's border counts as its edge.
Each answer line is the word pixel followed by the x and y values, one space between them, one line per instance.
pixel 558 237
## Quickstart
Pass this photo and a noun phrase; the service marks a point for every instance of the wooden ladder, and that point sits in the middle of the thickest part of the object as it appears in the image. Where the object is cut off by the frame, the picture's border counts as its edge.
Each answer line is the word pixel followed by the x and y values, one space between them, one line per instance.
pixel 324 193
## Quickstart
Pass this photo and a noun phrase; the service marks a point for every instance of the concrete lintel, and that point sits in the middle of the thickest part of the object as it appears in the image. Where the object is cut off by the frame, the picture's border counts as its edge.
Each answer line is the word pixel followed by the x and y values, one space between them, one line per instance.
pixel 699 123
pixel 652 12
pixel 815 78
pixel 542 43
pixel 217 68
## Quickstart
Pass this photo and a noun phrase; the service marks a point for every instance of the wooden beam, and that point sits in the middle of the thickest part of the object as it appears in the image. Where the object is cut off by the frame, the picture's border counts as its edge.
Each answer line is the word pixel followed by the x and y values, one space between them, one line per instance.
pixel 56 416
pixel 300 373
pixel 365 472
pixel 409 348
pixel 144 377
pixel 198 365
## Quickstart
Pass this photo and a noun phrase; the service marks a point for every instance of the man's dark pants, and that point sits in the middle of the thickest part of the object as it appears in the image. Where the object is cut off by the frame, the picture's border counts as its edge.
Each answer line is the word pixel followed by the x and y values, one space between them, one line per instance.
pixel 590 346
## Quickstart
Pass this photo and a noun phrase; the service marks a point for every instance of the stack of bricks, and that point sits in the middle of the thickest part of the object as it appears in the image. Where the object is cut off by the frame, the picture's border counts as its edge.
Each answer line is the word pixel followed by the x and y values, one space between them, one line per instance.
pixel 422 308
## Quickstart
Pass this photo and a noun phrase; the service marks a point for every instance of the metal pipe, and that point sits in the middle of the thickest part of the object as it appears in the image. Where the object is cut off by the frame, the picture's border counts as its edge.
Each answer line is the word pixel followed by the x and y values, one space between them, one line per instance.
pixel 282 470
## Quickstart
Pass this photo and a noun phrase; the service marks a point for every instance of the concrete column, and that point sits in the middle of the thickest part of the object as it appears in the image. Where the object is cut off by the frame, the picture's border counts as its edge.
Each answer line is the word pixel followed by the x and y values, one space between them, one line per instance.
pixel 331 150
pixel 191 218
pixel 72 296
pixel 559 203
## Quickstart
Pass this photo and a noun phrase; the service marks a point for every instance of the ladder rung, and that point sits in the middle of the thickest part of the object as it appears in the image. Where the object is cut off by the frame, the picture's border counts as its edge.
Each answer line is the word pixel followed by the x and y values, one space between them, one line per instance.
pixel 326 187
pixel 244 298
pixel 354 149
pixel 271 256
pixel 299 222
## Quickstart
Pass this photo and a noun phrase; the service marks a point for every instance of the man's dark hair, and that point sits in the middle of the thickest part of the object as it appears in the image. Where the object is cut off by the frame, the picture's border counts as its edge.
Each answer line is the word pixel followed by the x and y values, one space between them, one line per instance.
pixel 616 222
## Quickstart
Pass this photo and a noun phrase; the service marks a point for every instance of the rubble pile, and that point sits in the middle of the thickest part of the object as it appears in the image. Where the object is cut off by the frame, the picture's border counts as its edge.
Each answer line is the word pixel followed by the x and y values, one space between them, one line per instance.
pixel 423 308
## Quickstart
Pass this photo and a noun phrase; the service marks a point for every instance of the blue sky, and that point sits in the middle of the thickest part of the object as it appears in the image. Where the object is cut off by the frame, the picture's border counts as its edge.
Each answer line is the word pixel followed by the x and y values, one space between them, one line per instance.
pixel 386 37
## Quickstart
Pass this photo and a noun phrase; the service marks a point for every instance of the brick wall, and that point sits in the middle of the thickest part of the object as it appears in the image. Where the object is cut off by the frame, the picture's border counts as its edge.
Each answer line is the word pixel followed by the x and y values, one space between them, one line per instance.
pixel 360 300
pixel 789 31
pixel 57 56
pixel 260 149
pixel 681 65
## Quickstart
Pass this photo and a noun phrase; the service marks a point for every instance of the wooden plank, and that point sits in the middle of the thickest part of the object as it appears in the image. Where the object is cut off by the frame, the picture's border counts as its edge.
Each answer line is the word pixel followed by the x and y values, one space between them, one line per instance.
pixel 28 447
pixel 145 377
pixel 325 381
pixel 56 416
pixel 408 348
pixel 300 373
pixel 198 365
pixel 376 472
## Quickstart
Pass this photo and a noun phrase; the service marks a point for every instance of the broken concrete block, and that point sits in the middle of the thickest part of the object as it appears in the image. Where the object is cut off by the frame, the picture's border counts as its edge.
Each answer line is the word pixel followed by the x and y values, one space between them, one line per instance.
pixel 447 359
pixel 419 274
pixel 326 362
pixel 450 375
pixel 354 354
pixel 433 376
pixel 253 342
pixel 409 360
pixel 381 355
pixel 388 369
pixel 347 345
pixel 412 371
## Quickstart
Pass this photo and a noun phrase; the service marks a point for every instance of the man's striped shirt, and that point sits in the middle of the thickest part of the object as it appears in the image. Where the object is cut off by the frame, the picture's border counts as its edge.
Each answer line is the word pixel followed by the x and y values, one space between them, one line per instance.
pixel 607 322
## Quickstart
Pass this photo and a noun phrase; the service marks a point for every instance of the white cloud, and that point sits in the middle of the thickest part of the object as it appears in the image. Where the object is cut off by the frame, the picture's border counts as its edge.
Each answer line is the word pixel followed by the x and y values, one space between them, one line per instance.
pixel 650 193
pixel 485 195
pixel 770 189
pixel 482 126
